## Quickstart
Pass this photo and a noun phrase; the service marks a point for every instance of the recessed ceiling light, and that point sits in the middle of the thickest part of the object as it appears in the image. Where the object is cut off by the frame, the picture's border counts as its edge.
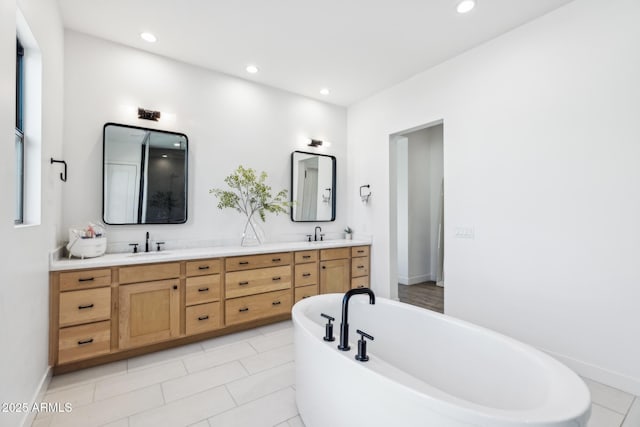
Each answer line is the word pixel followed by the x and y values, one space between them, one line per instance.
pixel 252 69
pixel 165 156
pixel 466 6
pixel 324 91
pixel 148 37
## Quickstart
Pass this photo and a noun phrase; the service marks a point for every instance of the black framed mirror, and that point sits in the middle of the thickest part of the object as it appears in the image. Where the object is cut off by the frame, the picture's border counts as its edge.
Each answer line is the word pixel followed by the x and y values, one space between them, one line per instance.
pixel 313 187
pixel 144 175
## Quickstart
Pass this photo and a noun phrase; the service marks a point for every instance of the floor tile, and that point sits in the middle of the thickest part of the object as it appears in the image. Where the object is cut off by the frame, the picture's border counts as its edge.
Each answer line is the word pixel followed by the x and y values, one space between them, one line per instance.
pixel 83 376
pixel 120 423
pixel 284 424
pixel 633 416
pixel 138 379
pixel 229 339
pixel 202 380
pixel 41 422
pixel 112 409
pixel 164 356
pixel 609 397
pixel 203 423
pixel 267 411
pixel 250 388
pixel 268 359
pixel 77 396
pixel 186 411
pixel 296 422
pixel 273 340
pixel 218 356
pixel 603 417
pixel 274 327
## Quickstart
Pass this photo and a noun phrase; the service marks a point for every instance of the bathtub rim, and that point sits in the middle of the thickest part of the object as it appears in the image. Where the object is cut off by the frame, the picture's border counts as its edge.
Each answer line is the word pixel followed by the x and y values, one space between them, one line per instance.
pixel 546 414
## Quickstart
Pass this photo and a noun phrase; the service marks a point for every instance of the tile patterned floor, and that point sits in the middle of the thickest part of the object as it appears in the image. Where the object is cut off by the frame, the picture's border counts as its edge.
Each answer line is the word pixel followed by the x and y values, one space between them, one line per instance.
pixel 243 379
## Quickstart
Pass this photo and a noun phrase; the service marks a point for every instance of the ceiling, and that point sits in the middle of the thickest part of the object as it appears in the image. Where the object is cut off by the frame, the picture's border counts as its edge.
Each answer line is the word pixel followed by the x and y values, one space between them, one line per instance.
pixel 353 47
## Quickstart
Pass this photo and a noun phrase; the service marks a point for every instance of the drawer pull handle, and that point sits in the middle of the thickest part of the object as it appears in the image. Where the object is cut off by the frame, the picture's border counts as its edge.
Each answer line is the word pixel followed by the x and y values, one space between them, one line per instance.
pixel 276 260
pixel 306 296
pixel 306 274
pixel 243 283
pixel 86 279
pixel 203 267
pixel 276 303
pixel 243 309
pixel 82 307
pixel 360 251
pixel 83 342
pixel 361 286
pixel 361 266
pixel 203 317
pixel 275 279
pixel 243 263
pixel 203 289
pixel 306 256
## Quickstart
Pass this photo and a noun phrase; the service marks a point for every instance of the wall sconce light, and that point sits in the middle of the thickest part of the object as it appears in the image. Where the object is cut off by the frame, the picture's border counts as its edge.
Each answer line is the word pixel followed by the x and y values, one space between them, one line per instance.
pixel 315 143
pixel 148 114
pixel 326 195
pixel 365 193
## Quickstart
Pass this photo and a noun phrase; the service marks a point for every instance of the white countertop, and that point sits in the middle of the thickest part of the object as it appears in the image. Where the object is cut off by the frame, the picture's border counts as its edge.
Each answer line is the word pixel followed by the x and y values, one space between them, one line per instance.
pixel 109 260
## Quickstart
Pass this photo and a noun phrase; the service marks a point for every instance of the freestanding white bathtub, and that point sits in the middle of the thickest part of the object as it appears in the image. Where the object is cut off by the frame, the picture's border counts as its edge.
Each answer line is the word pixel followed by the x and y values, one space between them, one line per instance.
pixel 425 369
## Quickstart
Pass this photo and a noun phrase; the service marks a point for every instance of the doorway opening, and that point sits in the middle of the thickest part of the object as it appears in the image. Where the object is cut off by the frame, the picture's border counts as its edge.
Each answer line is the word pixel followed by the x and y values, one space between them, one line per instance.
pixel 417 228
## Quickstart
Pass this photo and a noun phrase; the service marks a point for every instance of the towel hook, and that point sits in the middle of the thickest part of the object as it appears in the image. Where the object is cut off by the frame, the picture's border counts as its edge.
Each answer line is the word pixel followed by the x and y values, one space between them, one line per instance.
pixel 63 175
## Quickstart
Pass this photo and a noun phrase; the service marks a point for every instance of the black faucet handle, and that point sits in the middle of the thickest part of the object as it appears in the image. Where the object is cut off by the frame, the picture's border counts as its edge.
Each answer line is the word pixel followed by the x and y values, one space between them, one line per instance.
pixel 328 328
pixel 321 236
pixel 362 346
pixel 308 237
pixel 158 245
pixel 135 247
pixel 326 316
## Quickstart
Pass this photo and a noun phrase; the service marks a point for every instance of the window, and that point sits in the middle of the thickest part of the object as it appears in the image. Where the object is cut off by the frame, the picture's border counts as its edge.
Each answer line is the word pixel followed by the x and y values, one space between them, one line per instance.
pixel 19 144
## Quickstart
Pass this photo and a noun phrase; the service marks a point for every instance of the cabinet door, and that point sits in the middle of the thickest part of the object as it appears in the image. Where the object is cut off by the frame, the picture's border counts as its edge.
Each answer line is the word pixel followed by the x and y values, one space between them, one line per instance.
pixel 149 312
pixel 335 276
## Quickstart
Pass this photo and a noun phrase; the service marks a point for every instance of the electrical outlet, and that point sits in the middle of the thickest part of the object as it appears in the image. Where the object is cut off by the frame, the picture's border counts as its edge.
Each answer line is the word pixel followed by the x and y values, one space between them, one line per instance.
pixel 465 233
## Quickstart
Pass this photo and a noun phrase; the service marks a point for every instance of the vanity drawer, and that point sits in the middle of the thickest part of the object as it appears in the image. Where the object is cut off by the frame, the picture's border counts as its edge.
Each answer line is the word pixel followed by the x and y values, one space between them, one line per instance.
pixel 257 261
pixel 241 283
pixel 360 251
pixel 203 318
pixel 85 279
pixel 86 306
pixel 148 273
pixel 305 292
pixel 245 309
pixel 83 342
pixel 203 267
pixel 306 274
pixel 336 253
pixel 306 256
pixel 360 282
pixel 360 266
pixel 203 289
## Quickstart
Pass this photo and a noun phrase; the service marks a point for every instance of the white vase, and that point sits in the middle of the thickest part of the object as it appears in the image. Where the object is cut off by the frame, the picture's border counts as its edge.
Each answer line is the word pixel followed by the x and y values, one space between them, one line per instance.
pixel 347 236
pixel 252 235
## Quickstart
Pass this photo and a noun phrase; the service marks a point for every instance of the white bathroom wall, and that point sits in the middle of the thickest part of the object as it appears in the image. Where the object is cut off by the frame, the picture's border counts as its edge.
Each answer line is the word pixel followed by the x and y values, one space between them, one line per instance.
pixel 24 295
pixel 541 160
pixel 229 122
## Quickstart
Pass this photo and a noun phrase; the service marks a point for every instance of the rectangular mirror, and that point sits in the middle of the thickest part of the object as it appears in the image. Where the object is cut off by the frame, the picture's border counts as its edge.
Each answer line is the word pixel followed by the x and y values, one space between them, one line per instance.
pixel 313 187
pixel 144 175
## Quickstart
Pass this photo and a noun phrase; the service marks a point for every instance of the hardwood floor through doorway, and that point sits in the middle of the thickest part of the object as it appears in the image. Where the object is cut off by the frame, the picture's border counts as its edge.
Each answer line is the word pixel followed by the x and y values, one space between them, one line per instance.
pixel 426 295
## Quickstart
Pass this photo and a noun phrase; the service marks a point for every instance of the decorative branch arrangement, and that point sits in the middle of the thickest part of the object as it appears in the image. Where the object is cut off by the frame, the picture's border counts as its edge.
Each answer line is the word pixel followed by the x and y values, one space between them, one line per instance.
pixel 250 195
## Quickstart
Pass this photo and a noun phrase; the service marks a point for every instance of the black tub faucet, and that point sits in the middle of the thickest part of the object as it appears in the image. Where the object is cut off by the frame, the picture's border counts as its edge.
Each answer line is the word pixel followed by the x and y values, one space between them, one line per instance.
pixel 344 325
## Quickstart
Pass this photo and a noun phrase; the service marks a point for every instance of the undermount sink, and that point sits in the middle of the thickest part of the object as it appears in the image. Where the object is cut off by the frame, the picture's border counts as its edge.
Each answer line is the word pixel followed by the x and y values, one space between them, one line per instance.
pixel 150 254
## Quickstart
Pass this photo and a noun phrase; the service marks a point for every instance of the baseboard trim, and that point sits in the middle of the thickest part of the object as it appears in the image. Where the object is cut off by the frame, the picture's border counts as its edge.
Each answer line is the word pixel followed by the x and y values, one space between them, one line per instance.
pixel 414 280
pixel 601 375
pixel 38 397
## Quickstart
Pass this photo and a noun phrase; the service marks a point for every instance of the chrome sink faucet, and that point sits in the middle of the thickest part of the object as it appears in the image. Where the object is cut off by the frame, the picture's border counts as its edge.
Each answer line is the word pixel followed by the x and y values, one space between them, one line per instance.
pixel 315 233
pixel 344 325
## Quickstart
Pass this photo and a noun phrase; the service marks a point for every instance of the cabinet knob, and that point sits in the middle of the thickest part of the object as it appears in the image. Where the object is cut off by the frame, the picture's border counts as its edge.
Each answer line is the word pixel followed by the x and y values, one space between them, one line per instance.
pixel 324 266
pixel 175 286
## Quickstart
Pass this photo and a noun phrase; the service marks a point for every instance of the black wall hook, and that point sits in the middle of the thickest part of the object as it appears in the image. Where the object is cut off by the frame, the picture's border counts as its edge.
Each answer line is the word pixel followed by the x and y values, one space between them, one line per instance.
pixel 63 175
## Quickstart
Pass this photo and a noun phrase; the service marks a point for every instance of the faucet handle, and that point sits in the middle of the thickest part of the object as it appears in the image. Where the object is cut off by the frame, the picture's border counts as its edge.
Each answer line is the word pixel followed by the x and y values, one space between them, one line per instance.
pixel 135 247
pixel 158 245
pixel 308 237
pixel 328 328
pixel 362 346
pixel 321 236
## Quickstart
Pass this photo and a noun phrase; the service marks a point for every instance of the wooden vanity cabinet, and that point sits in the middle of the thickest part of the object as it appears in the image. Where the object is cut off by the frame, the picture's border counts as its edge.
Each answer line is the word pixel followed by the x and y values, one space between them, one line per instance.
pixel 203 312
pixel 149 312
pixel 360 262
pixel 335 270
pixel 306 280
